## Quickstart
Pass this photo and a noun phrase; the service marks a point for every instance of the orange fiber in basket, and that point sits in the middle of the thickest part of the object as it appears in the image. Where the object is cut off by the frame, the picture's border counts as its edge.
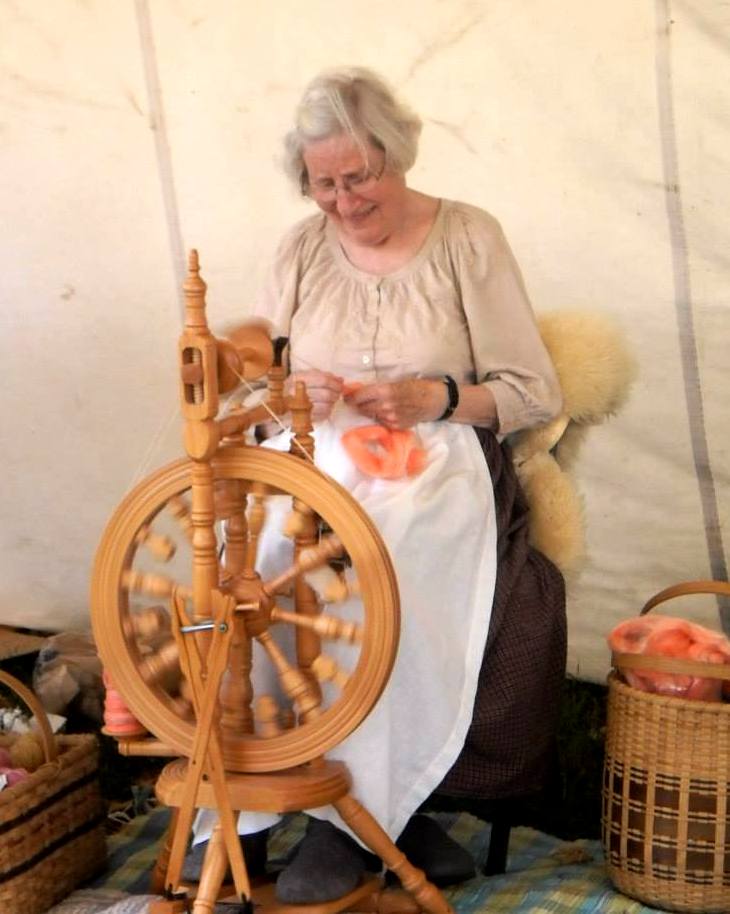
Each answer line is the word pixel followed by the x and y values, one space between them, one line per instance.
pixel 383 452
pixel 667 636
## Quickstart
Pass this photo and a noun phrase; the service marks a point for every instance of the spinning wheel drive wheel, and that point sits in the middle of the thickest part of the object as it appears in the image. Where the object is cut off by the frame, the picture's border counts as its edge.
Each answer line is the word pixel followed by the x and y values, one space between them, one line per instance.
pixel 142 666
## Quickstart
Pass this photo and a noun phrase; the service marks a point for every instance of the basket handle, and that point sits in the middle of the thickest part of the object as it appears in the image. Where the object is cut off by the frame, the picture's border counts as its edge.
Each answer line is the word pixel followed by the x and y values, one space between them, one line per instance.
pixel 685 589
pixel 48 741
pixel 658 664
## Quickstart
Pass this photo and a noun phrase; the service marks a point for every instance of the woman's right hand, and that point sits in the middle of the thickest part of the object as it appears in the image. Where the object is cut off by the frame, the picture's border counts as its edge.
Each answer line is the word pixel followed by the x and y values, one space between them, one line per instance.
pixel 323 389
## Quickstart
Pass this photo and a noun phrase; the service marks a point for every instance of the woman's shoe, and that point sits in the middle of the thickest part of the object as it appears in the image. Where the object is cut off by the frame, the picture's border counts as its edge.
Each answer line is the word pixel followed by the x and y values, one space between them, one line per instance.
pixel 431 849
pixel 325 865
pixel 254 849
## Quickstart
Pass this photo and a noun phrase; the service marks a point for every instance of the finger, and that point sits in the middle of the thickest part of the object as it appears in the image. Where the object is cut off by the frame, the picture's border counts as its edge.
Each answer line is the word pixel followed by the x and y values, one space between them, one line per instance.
pixel 317 380
pixel 333 381
pixel 314 375
pixel 368 393
pixel 322 402
pixel 391 419
pixel 321 411
pixel 350 387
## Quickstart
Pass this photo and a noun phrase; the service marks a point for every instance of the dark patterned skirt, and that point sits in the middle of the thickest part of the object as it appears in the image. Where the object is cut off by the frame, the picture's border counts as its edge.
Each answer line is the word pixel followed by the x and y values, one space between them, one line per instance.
pixel 511 738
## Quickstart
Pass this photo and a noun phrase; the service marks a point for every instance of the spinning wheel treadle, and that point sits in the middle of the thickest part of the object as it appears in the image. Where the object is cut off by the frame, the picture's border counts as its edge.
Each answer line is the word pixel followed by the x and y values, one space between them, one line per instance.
pixel 184 647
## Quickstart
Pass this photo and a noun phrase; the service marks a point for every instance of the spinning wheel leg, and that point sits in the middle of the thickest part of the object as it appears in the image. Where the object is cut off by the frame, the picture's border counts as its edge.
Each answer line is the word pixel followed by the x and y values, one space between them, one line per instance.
pixel 157 879
pixel 206 761
pixel 370 832
pixel 212 874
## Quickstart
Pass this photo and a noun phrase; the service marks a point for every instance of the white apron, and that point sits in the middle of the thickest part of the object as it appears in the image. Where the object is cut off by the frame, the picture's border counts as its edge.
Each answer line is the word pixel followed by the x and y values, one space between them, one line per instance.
pixel 440 529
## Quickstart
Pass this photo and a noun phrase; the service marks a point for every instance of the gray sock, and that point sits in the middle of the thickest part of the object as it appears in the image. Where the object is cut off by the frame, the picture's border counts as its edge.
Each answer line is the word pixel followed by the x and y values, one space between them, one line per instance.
pixel 326 865
pixel 254 852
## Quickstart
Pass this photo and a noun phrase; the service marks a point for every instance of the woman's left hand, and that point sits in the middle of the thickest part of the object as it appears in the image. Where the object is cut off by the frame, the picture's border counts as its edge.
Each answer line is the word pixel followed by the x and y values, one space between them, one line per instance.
pixel 401 404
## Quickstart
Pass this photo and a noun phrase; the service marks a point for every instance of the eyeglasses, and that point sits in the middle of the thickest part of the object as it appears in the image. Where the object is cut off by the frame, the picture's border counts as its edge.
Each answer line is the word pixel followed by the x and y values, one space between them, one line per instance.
pixel 326 190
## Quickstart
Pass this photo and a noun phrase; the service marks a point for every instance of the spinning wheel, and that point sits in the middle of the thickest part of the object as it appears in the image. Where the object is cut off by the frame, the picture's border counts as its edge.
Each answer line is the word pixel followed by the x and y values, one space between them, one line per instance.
pixel 200 569
pixel 125 628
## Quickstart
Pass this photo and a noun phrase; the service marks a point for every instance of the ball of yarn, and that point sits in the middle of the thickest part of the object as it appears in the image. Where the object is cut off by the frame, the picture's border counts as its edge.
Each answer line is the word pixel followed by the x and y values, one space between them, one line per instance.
pixel 26 752
pixel 14 775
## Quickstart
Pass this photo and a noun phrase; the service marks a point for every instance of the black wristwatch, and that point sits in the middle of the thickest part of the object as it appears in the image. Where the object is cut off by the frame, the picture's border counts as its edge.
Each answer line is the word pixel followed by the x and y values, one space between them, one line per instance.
pixel 453 390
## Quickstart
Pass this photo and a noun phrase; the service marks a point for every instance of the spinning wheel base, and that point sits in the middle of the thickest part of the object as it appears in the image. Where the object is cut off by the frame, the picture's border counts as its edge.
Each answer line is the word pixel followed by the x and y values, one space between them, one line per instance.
pixel 308 786
pixel 360 899
pixel 305 787
pixel 369 898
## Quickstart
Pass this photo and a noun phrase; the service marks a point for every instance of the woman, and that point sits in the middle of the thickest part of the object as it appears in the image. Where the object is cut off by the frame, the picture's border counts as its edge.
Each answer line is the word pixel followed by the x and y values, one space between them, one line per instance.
pixel 420 301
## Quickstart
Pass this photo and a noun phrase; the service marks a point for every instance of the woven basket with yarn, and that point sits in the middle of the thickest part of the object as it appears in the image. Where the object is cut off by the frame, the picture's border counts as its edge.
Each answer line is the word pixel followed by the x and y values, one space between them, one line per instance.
pixel 52 821
pixel 666 784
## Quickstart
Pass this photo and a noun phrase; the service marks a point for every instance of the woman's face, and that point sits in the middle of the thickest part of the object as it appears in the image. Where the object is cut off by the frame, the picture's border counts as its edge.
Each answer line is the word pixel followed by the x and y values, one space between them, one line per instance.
pixel 345 185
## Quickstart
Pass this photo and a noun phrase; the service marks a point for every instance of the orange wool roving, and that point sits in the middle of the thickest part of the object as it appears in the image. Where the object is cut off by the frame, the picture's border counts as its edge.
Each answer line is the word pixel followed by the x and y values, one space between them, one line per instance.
pixel 383 452
pixel 350 387
pixel 666 636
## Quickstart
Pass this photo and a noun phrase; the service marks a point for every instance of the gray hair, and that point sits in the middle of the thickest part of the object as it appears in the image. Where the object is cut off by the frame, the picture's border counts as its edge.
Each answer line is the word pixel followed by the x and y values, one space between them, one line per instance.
pixel 355 101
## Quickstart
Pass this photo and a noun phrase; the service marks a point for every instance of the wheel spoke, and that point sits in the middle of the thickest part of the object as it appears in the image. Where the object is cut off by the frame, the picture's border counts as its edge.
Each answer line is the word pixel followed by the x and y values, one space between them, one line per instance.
pixel 307 560
pixel 153 585
pixel 294 683
pixel 332 586
pixel 161 547
pixel 180 510
pixel 328 670
pixel 328 627
pixel 148 624
pixel 162 667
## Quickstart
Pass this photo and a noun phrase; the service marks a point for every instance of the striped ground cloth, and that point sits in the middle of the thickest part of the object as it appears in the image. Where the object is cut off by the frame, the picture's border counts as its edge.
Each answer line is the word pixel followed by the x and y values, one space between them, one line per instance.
pixel 545 875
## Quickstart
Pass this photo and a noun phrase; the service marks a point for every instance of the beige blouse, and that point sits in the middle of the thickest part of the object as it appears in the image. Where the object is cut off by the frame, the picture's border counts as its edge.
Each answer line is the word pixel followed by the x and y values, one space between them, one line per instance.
pixel 459 307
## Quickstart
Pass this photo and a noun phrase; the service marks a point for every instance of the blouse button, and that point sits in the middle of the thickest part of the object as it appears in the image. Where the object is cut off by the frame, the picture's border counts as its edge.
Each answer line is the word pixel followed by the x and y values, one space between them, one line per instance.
pixel 366 360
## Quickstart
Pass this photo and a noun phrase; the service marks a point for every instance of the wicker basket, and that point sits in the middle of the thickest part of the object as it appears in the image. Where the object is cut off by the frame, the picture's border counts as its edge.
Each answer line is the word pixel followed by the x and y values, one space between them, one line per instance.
pixel 51 824
pixel 666 804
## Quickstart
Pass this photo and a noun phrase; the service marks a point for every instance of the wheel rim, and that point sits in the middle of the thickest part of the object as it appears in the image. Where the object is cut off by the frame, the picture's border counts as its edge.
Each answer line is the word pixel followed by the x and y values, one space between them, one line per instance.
pixel 293 476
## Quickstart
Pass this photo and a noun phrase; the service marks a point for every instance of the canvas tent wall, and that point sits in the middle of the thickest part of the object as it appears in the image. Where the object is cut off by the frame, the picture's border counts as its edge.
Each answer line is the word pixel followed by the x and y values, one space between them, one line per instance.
pixel 597 133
